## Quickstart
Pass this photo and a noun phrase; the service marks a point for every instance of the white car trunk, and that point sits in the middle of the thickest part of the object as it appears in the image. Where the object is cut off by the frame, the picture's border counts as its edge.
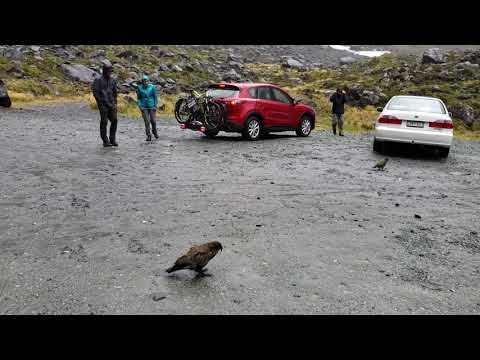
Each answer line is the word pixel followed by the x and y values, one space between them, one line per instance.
pixel 414 121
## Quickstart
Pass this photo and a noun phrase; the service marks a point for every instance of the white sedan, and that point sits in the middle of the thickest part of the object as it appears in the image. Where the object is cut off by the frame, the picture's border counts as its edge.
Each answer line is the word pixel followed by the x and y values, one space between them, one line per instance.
pixel 414 120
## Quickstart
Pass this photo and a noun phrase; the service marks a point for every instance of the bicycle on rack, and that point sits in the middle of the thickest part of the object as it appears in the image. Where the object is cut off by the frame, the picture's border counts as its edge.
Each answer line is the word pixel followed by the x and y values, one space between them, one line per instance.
pixel 199 110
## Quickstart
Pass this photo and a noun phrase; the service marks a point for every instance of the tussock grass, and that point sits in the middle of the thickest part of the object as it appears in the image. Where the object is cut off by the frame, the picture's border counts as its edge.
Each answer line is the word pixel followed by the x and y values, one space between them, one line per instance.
pixel 127 106
pixel 20 100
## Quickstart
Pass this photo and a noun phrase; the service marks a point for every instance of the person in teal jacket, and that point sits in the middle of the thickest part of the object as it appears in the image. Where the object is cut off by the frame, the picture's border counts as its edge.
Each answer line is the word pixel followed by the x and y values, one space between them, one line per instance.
pixel 147 102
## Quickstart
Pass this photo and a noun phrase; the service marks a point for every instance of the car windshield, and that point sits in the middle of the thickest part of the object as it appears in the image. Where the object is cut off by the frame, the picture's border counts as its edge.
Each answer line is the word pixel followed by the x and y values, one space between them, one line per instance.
pixel 416 104
pixel 222 92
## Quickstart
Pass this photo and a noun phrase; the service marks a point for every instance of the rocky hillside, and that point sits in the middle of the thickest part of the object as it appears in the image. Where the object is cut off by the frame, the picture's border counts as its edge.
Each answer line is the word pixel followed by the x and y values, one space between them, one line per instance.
pixel 311 70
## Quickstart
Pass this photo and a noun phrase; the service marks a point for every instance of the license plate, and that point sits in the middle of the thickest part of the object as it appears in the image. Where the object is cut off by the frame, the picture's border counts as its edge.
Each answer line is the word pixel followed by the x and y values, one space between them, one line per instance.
pixel 416 124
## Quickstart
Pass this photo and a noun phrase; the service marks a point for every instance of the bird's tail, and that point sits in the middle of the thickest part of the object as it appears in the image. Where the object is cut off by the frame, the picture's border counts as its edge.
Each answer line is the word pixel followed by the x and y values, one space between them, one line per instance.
pixel 172 269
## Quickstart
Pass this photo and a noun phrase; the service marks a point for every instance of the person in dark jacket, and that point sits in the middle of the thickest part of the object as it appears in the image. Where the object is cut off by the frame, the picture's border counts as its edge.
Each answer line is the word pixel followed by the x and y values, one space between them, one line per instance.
pixel 104 90
pixel 147 102
pixel 338 100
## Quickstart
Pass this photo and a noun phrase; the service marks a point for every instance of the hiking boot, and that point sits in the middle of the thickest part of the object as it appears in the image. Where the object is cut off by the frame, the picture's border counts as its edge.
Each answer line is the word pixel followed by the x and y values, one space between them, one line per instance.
pixel 334 131
pixel 107 144
pixel 113 143
pixel 156 135
pixel 149 137
pixel 341 134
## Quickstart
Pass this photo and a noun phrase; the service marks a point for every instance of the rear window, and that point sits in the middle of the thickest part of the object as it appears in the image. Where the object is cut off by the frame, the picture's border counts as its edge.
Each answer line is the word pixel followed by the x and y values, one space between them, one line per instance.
pixel 218 91
pixel 417 104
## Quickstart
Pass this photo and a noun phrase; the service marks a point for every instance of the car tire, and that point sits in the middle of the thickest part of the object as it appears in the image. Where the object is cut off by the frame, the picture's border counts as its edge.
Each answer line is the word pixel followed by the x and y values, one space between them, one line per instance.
pixel 304 127
pixel 211 133
pixel 443 152
pixel 377 146
pixel 253 129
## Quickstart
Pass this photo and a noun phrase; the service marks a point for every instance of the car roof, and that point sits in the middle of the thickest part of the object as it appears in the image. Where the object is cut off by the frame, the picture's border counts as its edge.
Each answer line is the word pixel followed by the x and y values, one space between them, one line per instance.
pixel 415 96
pixel 246 84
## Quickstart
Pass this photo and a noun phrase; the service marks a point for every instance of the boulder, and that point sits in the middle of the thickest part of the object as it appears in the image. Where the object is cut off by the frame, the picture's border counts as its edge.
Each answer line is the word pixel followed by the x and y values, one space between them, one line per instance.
pixel 434 56
pixel 168 54
pixel 127 54
pixel 468 65
pixel 16 70
pixel 133 75
pixel 13 54
pixel 472 56
pixel 98 53
pixel 4 98
pixel 347 60
pixel 357 95
pixel 161 81
pixel 189 67
pixel 123 88
pixel 463 112
pixel 79 72
pixel 235 58
pixel 231 75
pixel 235 64
pixel 163 67
pixel 292 64
pixel 176 68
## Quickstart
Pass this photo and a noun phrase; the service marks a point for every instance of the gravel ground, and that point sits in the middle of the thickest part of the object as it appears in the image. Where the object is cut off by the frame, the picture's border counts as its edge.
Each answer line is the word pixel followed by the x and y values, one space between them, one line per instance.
pixel 307 226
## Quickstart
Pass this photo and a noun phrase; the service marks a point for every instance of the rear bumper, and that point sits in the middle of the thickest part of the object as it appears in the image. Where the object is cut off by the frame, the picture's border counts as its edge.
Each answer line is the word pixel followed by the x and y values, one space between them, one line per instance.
pixel 435 138
pixel 228 126
pixel 195 126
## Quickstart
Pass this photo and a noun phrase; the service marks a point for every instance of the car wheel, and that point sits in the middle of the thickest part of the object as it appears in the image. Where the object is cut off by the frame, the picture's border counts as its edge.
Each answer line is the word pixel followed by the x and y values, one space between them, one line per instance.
pixel 443 152
pixel 305 127
pixel 377 146
pixel 211 133
pixel 253 129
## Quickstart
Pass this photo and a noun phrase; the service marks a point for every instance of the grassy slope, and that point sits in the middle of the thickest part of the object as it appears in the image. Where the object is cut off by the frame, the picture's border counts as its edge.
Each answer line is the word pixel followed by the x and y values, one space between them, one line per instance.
pixel 312 84
pixel 45 82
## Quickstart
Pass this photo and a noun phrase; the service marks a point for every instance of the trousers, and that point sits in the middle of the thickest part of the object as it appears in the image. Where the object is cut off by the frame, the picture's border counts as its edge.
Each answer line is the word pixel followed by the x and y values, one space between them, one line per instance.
pixel 149 119
pixel 107 114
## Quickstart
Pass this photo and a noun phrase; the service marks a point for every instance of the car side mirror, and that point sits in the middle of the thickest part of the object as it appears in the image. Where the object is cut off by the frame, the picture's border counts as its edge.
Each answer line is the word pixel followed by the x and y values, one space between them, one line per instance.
pixel 297 101
pixel 379 109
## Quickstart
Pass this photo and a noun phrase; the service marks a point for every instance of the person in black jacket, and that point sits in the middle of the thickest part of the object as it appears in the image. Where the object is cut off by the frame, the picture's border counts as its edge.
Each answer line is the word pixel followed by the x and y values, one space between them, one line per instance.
pixel 338 100
pixel 104 90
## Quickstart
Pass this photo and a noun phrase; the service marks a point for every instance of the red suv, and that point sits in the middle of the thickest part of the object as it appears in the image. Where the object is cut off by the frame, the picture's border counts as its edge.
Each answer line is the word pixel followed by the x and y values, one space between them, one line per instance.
pixel 256 109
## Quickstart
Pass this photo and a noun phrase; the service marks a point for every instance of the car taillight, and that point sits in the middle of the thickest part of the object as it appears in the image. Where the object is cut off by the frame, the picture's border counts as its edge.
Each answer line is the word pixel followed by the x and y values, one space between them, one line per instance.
pixel 182 126
pixel 235 102
pixel 388 119
pixel 203 129
pixel 441 124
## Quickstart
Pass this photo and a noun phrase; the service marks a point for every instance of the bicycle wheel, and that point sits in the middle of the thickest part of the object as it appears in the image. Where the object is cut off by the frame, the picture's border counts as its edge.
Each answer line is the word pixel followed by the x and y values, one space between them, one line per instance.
pixel 213 116
pixel 182 113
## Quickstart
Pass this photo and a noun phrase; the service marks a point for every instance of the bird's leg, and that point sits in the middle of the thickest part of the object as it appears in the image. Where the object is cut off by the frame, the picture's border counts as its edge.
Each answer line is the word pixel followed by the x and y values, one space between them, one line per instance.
pixel 201 272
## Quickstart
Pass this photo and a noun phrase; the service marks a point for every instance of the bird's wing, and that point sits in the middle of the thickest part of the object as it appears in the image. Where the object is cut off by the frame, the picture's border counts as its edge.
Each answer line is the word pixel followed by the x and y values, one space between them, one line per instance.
pixel 202 257
pixel 184 261
pixel 193 250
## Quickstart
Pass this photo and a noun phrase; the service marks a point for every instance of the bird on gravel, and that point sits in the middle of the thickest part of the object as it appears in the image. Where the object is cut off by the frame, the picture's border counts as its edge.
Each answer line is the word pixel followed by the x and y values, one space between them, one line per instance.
pixel 381 164
pixel 197 257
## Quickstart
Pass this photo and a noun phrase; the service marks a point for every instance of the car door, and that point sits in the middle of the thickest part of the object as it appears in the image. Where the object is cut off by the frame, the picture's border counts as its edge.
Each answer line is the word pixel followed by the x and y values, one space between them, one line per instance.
pixel 283 108
pixel 266 105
